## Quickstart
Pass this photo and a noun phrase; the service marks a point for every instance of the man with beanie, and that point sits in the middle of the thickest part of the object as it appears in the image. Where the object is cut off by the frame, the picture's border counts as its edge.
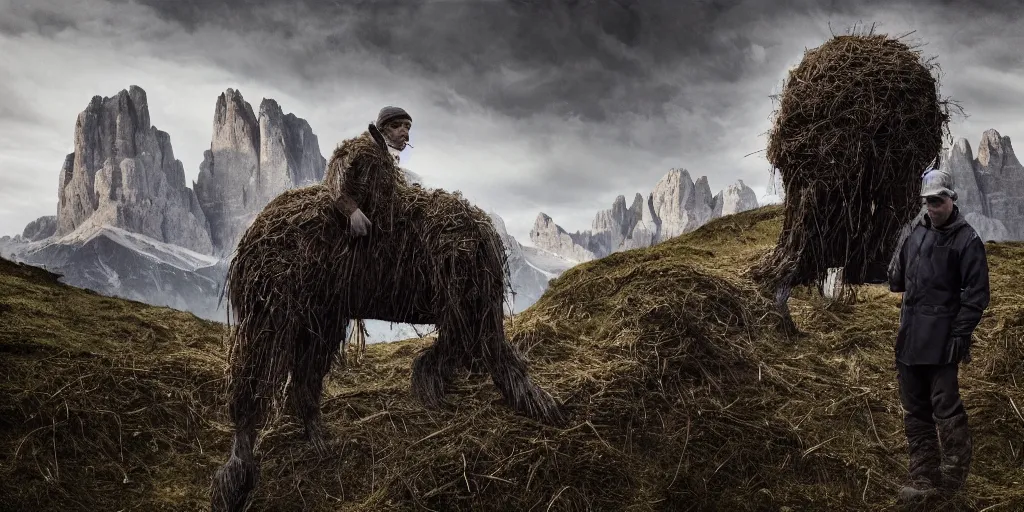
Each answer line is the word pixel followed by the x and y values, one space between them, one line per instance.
pixel 395 124
pixel 360 170
pixel 942 270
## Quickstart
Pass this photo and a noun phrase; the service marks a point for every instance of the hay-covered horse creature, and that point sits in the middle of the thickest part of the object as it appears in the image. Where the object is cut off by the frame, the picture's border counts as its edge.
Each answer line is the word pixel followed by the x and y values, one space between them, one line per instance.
pixel 858 120
pixel 300 275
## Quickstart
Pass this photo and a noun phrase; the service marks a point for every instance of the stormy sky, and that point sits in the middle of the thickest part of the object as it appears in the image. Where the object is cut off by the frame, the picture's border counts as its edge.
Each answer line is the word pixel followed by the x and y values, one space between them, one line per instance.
pixel 523 105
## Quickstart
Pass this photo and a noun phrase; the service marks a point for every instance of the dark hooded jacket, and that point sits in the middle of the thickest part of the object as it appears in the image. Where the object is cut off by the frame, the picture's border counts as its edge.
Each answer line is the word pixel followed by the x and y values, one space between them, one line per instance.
pixel 943 274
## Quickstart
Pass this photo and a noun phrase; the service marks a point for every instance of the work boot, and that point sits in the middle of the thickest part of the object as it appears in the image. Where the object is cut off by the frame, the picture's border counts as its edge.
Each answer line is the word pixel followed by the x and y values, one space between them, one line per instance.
pixel 957 451
pixel 923 445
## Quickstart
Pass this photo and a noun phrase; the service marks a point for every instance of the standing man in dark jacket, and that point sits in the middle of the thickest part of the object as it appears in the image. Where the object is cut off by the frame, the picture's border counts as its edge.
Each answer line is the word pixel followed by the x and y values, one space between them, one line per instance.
pixel 942 270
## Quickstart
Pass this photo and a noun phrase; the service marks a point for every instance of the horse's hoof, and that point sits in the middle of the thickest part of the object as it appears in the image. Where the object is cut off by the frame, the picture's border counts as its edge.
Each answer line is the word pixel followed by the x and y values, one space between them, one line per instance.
pixel 429 386
pixel 319 440
pixel 232 484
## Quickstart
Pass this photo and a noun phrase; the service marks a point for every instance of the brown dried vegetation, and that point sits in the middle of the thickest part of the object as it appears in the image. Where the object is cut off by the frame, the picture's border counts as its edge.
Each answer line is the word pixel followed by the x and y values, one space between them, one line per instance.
pixel 683 398
pixel 857 123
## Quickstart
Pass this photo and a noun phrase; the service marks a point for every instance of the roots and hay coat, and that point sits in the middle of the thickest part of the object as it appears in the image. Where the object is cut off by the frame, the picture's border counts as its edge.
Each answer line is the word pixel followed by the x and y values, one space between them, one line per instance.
pixel 299 276
pixel 858 122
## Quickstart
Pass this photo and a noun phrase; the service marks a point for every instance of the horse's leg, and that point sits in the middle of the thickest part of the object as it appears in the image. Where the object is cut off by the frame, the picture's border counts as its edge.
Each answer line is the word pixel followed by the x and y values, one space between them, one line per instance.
pixel 510 375
pixel 255 370
pixel 313 358
pixel 434 367
pixel 235 480
pixel 506 365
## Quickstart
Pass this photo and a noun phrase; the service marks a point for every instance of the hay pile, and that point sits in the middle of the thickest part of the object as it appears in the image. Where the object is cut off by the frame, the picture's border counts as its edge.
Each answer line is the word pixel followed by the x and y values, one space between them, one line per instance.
pixel 103 400
pixel 682 399
pixel 858 122
pixel 299 277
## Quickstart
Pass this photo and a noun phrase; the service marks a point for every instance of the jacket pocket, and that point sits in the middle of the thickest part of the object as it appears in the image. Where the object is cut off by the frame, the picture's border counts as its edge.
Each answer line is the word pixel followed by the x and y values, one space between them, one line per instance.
pixel 930 337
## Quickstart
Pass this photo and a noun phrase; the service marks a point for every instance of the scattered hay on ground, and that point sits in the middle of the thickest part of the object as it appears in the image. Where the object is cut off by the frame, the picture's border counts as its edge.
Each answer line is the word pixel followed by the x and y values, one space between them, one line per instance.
pixel 858 122
pixel 102 400
pixel 698 405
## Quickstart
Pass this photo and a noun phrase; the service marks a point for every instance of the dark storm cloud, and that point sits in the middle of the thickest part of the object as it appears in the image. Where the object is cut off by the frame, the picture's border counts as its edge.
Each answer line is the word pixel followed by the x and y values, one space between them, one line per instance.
pixel 20 18
pixel 592 59
pixel 626 89
pixel 596 60
pixel 638 69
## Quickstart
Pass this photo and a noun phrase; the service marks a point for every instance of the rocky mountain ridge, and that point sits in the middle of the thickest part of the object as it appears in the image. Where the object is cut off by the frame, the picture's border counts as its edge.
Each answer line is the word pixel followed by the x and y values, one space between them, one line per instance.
pixel 129 226
pixel 252 159
pixel 123 173
pixel 675 205
pixel 990 187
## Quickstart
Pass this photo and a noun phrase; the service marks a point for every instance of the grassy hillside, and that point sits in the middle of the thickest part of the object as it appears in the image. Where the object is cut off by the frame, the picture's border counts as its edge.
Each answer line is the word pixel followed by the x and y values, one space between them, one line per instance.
pixel 683 396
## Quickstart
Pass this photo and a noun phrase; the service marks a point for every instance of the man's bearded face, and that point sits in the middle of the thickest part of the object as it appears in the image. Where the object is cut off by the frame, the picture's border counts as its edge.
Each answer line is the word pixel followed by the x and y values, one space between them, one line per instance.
pixel 397 132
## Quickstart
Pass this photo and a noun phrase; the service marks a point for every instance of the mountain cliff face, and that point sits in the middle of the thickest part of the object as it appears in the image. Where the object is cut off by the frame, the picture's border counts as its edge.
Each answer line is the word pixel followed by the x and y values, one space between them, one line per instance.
pixel 990 187
pixel 122 179
pixel 530 270
pixel 123 174
pixel 681 204
pixel 39 229
pixel 736 198
pixel 675 206
pixel 552 238
pixel 127 224
pixel 251 160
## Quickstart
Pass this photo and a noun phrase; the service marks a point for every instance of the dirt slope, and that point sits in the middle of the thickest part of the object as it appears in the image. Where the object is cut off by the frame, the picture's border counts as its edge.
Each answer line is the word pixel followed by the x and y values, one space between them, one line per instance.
pixel 683 396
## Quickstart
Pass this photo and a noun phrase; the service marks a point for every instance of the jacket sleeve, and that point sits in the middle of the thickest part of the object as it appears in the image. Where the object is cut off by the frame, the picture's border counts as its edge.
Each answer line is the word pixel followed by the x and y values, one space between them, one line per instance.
pixel 974 283
pixel 896 269
pixel 346 204
pixel 335 182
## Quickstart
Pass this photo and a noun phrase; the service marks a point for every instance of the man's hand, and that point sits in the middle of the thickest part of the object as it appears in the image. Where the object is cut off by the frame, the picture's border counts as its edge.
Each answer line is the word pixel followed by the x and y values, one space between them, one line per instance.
pixel 359 223
pixel 962 349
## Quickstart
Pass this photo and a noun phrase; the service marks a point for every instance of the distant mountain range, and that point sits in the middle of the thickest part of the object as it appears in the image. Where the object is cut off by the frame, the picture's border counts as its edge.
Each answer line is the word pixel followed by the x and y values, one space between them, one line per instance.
pixel 675 206
pixel 128 225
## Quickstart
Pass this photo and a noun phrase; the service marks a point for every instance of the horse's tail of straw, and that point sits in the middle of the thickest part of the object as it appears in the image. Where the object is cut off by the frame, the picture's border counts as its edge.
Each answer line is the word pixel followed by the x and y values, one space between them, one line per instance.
pixel 358 332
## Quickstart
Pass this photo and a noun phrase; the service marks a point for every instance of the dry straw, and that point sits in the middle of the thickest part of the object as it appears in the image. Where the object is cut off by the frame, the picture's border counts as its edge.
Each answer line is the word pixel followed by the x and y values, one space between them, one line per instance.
pixel 858 122
pixel 300 276
pixel 684 398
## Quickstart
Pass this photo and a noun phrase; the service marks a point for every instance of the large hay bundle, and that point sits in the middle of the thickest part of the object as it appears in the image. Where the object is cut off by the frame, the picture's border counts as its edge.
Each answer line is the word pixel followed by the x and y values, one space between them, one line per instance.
pixel 299 277
pixel 859 120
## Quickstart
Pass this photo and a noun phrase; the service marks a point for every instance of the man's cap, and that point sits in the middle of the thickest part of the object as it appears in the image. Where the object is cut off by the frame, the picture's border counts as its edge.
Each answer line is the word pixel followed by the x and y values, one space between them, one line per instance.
pixel 388 114
pixel 937 183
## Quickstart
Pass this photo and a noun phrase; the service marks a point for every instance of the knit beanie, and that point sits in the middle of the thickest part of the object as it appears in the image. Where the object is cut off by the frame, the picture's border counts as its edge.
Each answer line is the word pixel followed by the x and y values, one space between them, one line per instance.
pixel 388 114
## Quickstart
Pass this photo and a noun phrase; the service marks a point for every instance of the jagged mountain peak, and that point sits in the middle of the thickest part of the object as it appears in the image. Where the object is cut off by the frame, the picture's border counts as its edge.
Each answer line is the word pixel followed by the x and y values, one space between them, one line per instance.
pixel 123 173
pixel 251 160
pixel 675 205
